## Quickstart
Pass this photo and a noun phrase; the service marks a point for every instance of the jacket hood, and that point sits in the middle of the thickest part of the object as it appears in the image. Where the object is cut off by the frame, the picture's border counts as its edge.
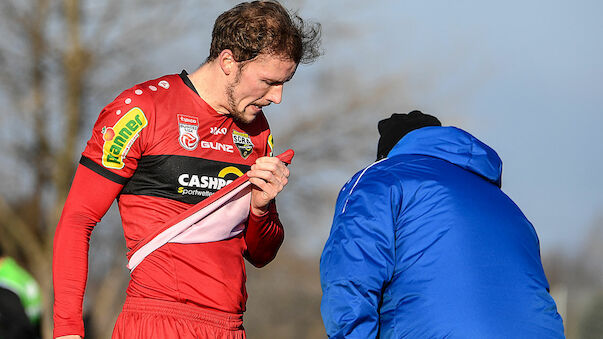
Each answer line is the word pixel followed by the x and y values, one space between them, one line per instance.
pixel 455 146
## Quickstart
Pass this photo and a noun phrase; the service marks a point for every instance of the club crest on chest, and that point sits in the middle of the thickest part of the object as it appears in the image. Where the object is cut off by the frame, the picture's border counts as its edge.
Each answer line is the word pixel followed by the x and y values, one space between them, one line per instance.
pixel 188 126
pixel 243 143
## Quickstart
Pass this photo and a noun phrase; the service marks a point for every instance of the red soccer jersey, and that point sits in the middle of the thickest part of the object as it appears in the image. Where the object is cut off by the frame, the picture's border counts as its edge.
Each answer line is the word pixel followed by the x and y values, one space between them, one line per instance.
pixel 169 149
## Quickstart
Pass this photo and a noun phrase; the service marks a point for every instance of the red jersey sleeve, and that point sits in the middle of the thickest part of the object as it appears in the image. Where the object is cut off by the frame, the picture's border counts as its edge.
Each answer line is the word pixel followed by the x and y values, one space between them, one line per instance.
pixel 110 158
pixel 89 199
pixel 264 236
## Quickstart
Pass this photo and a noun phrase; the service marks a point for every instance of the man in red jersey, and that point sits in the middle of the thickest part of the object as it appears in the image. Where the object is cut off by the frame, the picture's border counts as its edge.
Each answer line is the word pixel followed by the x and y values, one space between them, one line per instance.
pixel 167 144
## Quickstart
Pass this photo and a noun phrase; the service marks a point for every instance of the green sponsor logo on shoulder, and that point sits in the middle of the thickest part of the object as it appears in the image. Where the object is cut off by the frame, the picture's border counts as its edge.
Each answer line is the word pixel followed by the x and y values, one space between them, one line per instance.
pixel 119 138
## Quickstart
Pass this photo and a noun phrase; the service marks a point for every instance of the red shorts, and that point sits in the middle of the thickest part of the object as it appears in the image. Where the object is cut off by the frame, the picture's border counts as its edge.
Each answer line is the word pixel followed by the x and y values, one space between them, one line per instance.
pixel 147 318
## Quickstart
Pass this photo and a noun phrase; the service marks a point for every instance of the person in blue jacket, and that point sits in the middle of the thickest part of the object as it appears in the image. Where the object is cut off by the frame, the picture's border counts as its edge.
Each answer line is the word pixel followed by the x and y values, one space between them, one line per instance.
pixel 424 244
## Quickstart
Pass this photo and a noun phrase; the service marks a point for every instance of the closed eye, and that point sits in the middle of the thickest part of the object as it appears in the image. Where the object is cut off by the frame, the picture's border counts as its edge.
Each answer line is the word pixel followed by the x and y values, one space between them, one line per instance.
pixel 273 83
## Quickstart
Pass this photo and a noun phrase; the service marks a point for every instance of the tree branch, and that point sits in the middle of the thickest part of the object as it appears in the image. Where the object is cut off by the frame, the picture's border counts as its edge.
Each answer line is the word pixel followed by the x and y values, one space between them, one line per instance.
pixel 21 233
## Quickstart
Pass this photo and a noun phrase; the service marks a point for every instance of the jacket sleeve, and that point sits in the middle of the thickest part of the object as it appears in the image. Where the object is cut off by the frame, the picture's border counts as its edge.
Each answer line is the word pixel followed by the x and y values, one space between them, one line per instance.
pixel 89 199
pixel 358 258
pixel 263 236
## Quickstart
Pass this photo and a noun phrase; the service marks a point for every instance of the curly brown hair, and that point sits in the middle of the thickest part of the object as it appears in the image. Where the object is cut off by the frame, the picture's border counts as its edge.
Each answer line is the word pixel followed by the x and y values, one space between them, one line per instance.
pixel 265 27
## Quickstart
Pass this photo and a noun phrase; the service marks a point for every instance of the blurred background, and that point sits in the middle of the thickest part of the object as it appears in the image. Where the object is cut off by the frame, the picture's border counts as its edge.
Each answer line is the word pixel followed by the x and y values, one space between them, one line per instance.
pixel 522 76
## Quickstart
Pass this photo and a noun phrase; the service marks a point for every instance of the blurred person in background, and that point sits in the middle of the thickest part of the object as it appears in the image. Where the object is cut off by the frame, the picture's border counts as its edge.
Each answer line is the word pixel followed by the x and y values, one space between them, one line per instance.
pixel 14 323
pixel 16 281
pixel 425 244
pixel 169 143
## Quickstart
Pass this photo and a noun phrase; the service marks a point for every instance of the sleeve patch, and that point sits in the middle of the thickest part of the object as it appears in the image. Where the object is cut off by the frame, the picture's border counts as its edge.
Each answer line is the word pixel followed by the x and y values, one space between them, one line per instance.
pixel 271 145
pixel 119 138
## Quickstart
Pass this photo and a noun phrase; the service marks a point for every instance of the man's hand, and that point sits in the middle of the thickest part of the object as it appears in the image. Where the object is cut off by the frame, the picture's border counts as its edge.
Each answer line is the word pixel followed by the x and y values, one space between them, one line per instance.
pixel 269 175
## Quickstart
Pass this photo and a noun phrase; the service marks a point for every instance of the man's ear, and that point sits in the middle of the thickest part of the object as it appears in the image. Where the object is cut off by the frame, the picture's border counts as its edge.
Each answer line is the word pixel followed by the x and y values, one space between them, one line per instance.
pixel 228 64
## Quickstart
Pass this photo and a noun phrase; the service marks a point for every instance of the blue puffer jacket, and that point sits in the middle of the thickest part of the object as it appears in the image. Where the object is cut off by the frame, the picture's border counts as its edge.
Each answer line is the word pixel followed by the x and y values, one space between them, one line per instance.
pixel 424 244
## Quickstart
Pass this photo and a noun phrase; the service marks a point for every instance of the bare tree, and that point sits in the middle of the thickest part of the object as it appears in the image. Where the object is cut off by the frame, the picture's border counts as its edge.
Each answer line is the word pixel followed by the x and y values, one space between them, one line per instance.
pixel 58 60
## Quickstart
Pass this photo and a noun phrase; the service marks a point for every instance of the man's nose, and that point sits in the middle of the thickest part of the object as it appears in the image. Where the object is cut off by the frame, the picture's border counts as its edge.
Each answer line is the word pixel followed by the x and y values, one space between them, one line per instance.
pixel 275 94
